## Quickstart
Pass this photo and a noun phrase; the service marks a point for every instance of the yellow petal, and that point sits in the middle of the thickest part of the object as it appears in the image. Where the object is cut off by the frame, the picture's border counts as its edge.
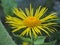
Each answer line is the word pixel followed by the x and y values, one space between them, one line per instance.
pixel 18 13
pixel 41 12
pixel 51 16
pixel 50 20
pixel 34 32
pixel 27 11
pixel 49 24
pixel 31 10
pixel 25 32
pixel 37 11
pixel 28 30
pixel 13 21
pixel 22 12
pixel 37 30
pixel 41 28
pixel 53 29
pixel 49 29
pixel 17 29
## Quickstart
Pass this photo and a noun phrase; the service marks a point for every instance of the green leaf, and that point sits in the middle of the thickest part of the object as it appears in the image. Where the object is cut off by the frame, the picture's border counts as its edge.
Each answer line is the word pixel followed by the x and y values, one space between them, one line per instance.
pixel 50 43
pixel 5 38
pixel 40 40
pixel 8 5
pixel 26 39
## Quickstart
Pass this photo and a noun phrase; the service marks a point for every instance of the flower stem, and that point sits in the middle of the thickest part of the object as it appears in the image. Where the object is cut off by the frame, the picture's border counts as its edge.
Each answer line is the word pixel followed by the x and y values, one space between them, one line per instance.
pixel 32 38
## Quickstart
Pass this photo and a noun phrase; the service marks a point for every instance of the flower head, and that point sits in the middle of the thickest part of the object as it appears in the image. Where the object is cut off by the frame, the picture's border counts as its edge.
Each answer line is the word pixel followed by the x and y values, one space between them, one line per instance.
pixel 32 21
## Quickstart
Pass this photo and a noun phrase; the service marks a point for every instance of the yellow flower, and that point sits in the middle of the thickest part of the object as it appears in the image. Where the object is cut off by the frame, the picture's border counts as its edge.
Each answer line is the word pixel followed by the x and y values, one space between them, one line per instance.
pixel 25 43
pixel 32 22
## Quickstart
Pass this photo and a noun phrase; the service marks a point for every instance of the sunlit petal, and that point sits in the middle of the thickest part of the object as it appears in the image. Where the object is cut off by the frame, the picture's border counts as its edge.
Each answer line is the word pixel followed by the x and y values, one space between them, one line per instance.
pixel 17 29
pixel 49 29
pixel 37 30
pixel 13 21
pixel 22 12
pixel 51 16
pixel 49 24
pixel 37 11
pixel 27 11
pixel 41 12
pixel 31 10
pixel 34 32
pixel 41 28
pixel 19 13
pixel 53 29
pixel 26 31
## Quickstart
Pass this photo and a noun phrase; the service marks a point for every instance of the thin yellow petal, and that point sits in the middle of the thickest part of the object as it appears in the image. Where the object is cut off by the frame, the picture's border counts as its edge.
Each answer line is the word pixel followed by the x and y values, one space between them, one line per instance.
pixel 34 32
pixel 17 29
pixel 16 25
pixel 51 20
pixel 16 20
pixel 18 13
pixel 37 11
pixel 41 12
pixel 13 21
pixel 54 29
pixel 25 32
pixel 41 28
pixel 49 29
pixel 37 30
pixel 22 12
pixel 31 10
pixel 27 11
pixel 49 24
pixel 51 16
pixel 28 30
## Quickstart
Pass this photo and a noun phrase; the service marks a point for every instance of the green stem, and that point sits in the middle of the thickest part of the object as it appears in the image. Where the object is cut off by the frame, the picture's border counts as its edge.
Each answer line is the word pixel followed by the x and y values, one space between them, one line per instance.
pixel 32 41
pixel 32 38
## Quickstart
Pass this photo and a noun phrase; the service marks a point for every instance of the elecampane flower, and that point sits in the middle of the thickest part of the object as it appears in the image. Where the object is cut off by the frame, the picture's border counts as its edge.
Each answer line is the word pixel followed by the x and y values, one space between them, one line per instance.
pixel 32 21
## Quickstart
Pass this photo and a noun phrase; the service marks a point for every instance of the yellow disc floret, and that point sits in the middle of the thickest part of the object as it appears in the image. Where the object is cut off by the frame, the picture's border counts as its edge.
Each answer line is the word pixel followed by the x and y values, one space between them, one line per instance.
pixel 31 21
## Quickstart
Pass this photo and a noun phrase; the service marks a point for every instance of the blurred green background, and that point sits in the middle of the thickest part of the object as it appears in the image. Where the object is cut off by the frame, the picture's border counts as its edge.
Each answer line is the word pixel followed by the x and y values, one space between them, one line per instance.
pixel 6 9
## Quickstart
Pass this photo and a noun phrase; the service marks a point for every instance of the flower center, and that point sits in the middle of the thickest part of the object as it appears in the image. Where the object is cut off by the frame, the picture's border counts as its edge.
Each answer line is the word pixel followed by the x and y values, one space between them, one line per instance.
pixel 31 21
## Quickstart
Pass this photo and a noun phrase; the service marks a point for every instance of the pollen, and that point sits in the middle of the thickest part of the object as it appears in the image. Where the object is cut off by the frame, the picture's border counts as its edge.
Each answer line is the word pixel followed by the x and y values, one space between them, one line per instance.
pixel 31 21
